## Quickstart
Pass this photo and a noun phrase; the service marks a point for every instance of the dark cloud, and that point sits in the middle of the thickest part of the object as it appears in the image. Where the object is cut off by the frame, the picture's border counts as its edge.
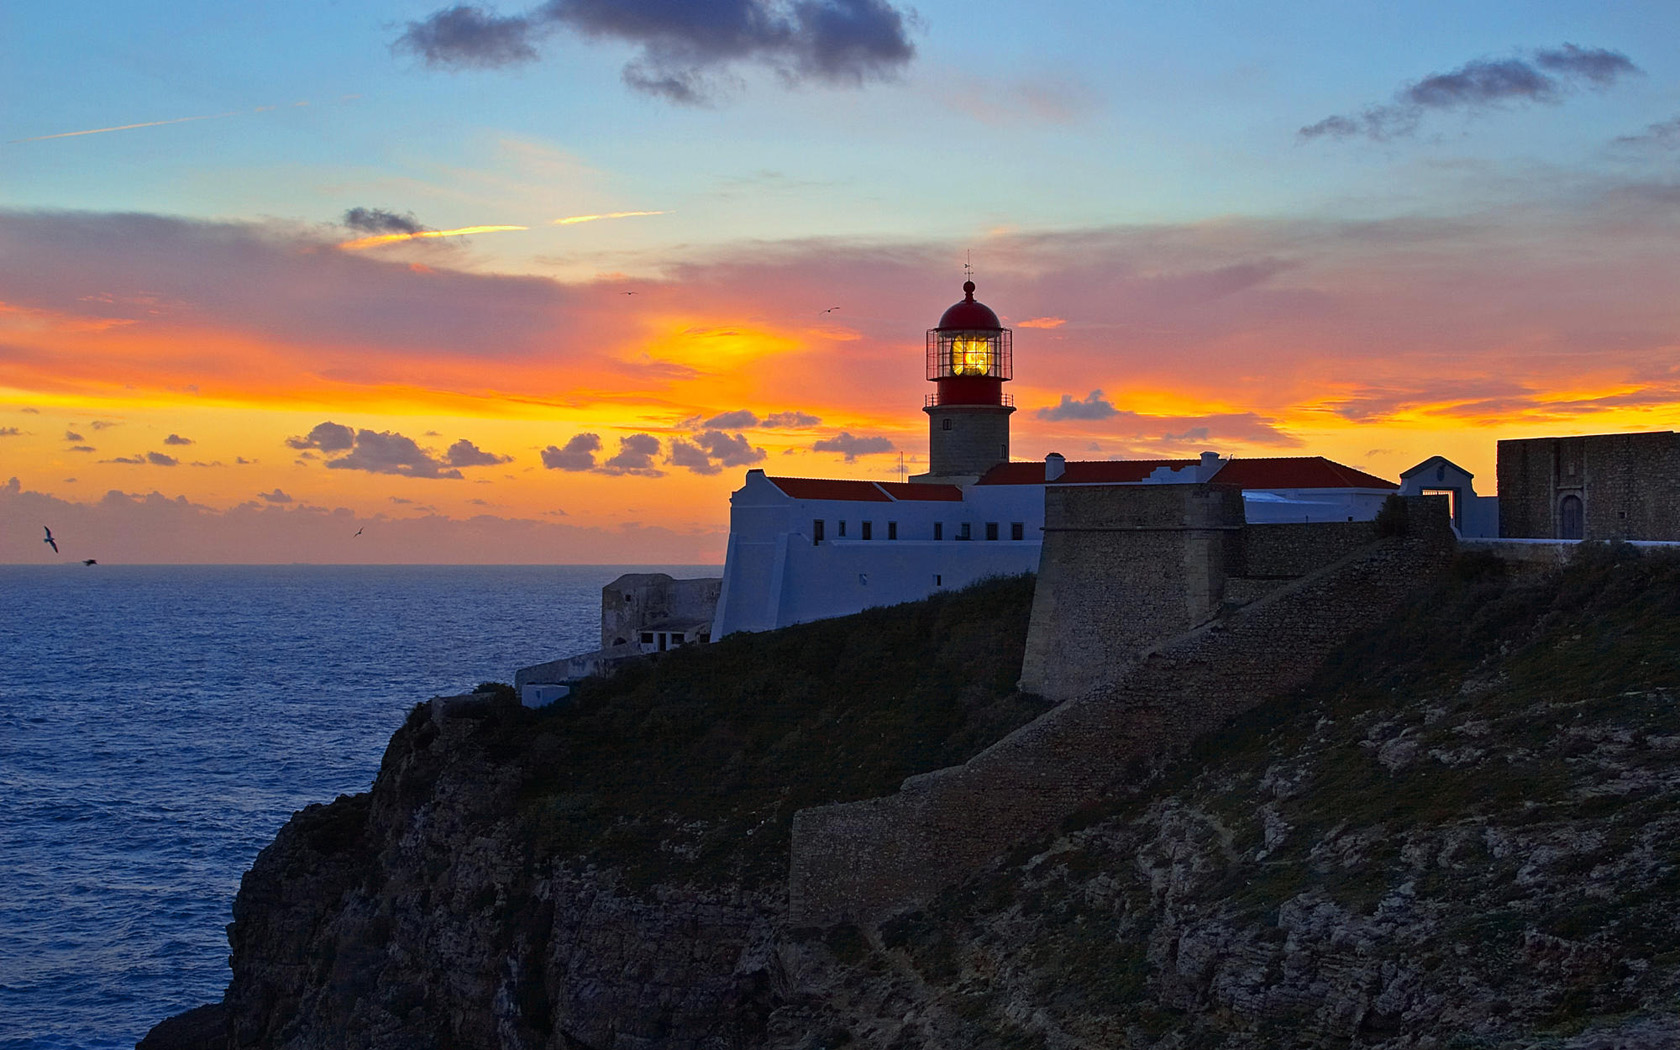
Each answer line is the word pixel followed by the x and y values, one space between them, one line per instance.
pixel 692 457
pixel 275 497
pixel 10 432
pixel 1543 76
pixel 176 439
pixel 1594 64
pixel 378 220
pixel 732 420
pixel 1664 135
pixel 853 447
pixel 635 456
pixel 387 452
pixel 1093 407
pixel 328 437
pixel 467 37
pixel 158 459
pixel 83 448
pixel 1193 434
pixel 71 435
pixel 685 46
pixel 104 424
pixel 577 455
pixel 466 454
pixel 133 460
pixel 790 419
pixel 713 450
pixel 242 461
pixel 400 499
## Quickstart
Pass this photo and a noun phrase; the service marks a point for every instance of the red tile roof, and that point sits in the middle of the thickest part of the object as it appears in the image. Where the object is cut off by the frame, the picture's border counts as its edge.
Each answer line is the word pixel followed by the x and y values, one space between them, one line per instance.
pixel 830 488
pixel 912 490
pixel 1297 472
pixel 1081 472
pixel 1291 472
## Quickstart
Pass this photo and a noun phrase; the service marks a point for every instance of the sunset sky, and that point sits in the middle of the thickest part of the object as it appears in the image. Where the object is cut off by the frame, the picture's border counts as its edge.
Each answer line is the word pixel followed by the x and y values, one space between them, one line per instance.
pixel 240 319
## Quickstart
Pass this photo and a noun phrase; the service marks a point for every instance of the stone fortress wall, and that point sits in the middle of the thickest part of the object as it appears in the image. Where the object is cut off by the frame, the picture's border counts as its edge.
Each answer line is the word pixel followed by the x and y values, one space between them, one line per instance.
pixel 863 860
pixel 1628 486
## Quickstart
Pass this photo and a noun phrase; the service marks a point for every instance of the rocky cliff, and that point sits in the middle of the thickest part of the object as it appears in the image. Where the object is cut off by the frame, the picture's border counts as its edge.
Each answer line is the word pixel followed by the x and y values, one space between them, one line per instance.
pixel 1463 833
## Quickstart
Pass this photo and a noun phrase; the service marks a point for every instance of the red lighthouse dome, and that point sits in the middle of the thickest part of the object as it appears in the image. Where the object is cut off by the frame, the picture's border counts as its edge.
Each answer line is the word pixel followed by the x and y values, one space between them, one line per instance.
pixel 968 313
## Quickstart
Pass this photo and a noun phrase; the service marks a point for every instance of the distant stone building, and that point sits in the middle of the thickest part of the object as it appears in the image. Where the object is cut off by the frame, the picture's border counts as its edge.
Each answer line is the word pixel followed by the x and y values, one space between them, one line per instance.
pixel 1596 487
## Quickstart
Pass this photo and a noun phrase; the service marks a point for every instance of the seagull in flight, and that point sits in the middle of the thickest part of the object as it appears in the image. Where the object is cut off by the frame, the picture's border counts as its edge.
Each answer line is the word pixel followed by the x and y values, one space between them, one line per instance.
pixel 831 309
pixel 49 541
pixel 358 532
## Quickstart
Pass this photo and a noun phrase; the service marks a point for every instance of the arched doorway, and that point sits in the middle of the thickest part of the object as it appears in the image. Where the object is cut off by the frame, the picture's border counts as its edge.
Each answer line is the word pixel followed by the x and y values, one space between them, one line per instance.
pixel 1571 525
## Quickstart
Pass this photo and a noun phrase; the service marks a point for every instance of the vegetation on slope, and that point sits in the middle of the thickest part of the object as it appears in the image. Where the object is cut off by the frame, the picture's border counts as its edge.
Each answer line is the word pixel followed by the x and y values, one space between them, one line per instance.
pixel 693 763
pixel 1464 832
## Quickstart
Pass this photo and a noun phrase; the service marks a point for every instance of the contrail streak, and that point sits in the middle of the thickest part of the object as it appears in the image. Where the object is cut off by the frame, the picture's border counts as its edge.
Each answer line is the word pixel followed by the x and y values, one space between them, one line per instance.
pixel 161 123
pixel 124 127
pixel 392 238
pixel 571 220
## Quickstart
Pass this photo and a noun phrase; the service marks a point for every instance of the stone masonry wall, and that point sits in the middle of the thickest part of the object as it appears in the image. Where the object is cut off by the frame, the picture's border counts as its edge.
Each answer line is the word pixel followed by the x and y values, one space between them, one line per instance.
pixel 1273 551
pixel 1122 566
pixel 864 860
pixel 1629 485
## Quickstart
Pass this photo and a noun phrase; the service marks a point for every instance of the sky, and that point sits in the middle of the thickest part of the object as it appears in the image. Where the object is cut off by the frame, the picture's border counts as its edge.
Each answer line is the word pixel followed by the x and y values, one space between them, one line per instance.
pixel 412 282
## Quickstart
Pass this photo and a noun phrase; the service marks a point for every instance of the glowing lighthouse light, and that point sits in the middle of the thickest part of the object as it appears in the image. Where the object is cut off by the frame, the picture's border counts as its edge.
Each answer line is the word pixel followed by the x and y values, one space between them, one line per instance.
pixel 972 355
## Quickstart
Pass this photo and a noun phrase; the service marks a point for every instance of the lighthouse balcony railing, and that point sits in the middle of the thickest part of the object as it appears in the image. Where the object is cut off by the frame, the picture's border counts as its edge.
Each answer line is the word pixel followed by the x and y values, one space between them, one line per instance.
pixel 932 401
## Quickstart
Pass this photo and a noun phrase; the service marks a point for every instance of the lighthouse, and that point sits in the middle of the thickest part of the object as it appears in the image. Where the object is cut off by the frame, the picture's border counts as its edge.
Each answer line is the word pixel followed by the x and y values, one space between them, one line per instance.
pixel 968 361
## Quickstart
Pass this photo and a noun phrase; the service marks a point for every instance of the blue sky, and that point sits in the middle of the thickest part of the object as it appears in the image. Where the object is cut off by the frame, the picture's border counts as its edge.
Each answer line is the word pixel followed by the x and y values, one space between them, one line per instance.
pixel 1480 246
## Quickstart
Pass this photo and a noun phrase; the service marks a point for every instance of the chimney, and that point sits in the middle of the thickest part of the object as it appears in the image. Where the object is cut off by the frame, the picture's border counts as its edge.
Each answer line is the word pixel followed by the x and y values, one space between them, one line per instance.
pixel 1209 466
pixel 1054 466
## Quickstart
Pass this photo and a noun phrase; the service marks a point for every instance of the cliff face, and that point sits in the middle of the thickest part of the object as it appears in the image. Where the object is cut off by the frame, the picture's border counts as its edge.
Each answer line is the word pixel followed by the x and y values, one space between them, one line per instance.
pixel 1464 833
pixel 420 916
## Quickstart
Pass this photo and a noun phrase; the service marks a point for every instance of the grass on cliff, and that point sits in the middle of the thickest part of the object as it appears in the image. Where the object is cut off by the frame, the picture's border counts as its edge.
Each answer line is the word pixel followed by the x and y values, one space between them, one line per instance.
pixel 1502 757
pixel 693 763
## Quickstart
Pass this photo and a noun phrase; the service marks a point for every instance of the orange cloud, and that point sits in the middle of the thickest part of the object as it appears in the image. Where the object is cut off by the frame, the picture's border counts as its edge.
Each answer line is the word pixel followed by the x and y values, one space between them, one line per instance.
pixel 378 239
pixel 1042 322
pixel 572 220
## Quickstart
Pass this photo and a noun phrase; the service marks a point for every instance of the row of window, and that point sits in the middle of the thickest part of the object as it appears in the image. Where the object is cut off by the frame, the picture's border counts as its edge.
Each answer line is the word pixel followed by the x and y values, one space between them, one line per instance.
pixel 866 530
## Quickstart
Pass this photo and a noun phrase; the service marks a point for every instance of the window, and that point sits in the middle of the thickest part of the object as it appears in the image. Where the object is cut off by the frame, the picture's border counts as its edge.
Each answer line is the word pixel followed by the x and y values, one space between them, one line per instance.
pixel 945 424
pixel 963 533
pixel 938 580
pixel 892 530
pixel 868 532
pixel 842 528
pixel 1017 530
pixel 647 637
pixel 664 641
pixel 816 532
pixel 939 530
pixel 991 530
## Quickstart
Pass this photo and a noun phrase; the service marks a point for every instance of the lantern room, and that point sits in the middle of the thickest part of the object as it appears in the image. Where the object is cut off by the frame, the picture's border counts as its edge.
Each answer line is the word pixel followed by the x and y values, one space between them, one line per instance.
pixel 969 356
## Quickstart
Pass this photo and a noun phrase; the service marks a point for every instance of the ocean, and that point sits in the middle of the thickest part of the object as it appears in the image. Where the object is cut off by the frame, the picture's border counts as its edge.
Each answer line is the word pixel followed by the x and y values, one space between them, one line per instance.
pixel 158 724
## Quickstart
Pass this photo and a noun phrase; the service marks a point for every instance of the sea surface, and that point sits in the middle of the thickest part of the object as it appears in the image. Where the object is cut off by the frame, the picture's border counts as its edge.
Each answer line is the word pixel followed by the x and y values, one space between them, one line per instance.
pixel 158 724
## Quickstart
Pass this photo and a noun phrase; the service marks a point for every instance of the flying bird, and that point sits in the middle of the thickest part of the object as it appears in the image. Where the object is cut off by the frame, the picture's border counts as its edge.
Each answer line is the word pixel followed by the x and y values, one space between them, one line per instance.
pixel 358 532
pixel 831 309
pixel 90 561
pixel 629 293
pixel 49 541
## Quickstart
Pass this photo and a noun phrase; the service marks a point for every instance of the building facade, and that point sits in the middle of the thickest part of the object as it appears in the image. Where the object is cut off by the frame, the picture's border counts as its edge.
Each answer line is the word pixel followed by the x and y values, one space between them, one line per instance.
pixel 1594 487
